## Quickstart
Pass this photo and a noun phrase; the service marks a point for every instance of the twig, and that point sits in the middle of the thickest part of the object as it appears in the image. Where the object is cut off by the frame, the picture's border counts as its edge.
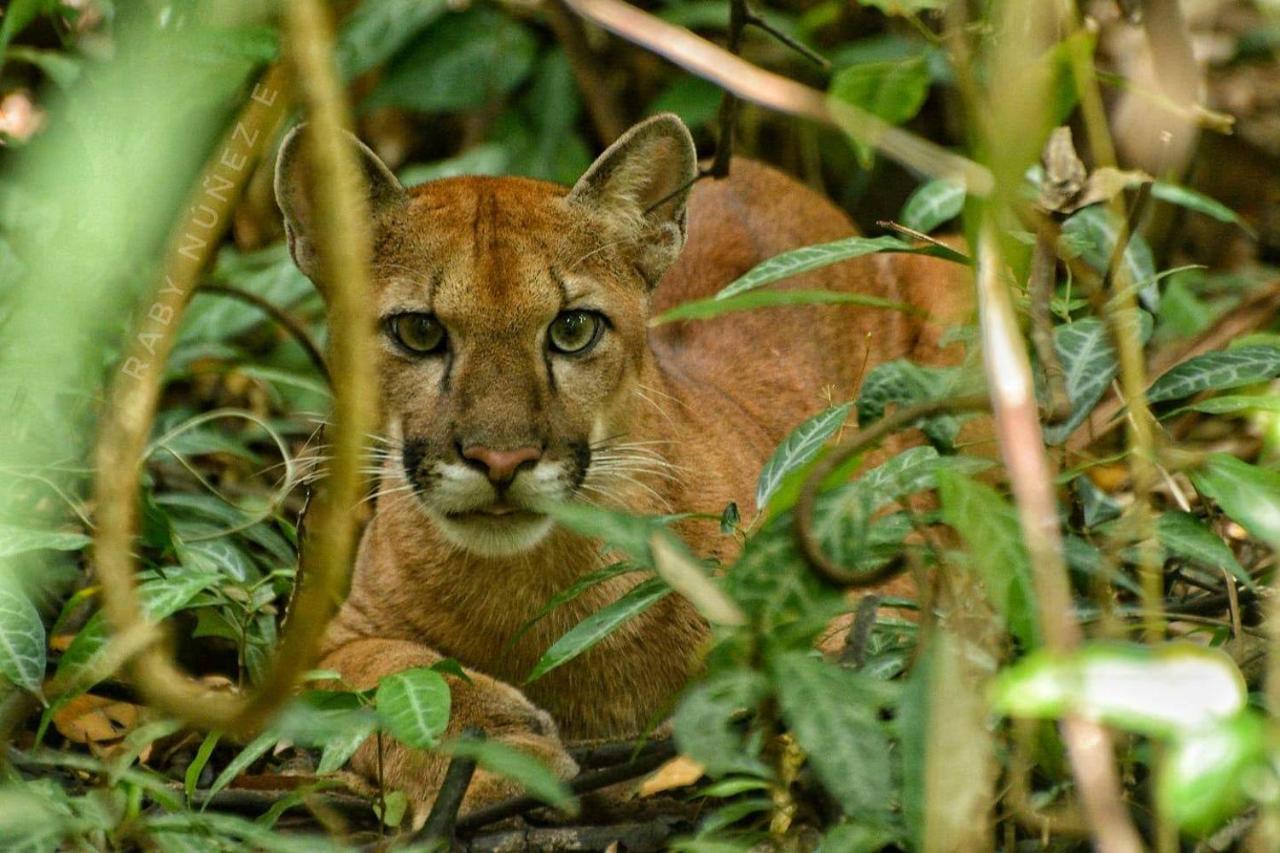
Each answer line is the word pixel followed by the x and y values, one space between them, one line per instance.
pixel 727 117
pixel 592 780
pixel 286 321
pixel 595 756
pixel 864 621
pixel 755 20
pixel 808 544
pixel 444 811
pixel 775 92
pixel 1044 264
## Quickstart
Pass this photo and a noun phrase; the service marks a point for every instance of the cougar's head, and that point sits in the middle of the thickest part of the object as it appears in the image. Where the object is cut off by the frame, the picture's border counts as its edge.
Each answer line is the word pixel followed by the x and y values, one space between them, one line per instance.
pixel 511 321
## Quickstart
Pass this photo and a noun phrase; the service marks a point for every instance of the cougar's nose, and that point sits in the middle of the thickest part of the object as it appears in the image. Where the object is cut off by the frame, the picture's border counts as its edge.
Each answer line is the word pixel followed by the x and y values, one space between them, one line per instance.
pixel 500 465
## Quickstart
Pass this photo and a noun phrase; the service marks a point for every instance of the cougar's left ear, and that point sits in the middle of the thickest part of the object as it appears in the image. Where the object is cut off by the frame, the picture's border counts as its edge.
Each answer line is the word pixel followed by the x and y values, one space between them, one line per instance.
pixel 640 186
pixel 293 177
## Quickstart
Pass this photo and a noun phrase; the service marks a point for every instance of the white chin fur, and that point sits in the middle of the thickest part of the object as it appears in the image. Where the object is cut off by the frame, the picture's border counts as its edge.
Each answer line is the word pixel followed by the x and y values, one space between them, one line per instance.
pixel 496 537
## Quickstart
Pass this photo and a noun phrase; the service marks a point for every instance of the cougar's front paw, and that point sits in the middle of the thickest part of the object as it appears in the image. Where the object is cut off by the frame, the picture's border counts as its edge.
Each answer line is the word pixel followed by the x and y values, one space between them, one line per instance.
pixel 504 714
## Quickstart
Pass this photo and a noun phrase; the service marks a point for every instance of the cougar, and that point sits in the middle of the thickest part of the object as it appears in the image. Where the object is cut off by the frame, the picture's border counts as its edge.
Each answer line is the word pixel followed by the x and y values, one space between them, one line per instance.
pixel 517 366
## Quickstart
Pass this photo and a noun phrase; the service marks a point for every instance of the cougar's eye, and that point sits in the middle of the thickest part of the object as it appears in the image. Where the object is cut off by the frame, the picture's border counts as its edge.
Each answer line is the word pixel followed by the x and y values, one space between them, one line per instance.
pixel 421 334
pixel 575 332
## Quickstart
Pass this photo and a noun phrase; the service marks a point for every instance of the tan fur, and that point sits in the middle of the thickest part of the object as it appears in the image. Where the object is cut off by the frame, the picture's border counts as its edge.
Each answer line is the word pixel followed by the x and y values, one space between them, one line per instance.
pixel 710 399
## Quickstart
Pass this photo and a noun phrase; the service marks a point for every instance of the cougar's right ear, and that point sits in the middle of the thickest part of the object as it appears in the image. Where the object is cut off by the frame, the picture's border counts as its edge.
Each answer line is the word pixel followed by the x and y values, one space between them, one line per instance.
pixel 293 179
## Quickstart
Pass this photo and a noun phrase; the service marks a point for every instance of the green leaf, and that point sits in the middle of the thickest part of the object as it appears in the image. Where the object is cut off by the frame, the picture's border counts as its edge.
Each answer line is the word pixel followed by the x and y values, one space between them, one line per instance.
pixel 1161 690
pixel 22 639
pixel 397 803
pixel 536 778
pixel 192 776
pixel 580 586
pixel 1205 777
pixel 1246 493
pixel 799 447
pixel 1199 202
pixel 933 204
pixel 705 309
pixel 465 60
pixel 893 91
pixel 773 584
pixel 1190 538
pixel 1230 404
pixel 254 750
pixel 325 718
pixel 843 517
pixel 706 722
pixel 19 540
pixel 989 527
pixel 599 625
pixel 1089 363
pixel 903 383
pixel 414 705
pixel 1217 371
pixel 1092 233
pixel 377 29
pixel 834 719
pixel 808 258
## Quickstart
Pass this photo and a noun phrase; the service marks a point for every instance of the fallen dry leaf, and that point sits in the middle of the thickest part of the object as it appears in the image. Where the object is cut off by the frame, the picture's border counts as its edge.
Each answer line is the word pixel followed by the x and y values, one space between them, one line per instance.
pixel 93 719
pixel 679 772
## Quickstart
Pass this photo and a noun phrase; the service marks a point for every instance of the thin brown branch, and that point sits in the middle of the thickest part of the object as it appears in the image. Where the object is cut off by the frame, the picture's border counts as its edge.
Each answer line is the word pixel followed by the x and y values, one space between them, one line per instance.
pixel 282 318
pixel 1040 286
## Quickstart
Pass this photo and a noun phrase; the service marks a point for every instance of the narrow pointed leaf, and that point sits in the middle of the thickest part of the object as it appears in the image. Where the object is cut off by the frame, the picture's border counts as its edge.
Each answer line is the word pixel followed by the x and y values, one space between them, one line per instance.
pixel 599 625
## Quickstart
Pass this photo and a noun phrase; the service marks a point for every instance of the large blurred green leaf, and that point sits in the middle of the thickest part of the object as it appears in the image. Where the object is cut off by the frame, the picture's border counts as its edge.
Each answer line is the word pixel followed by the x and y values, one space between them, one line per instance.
pixel 19 540
pixel 1162 690
pixel 834 717
pixel 894 91
pixel 710 722
pixel 1246 493
pixel 464 61
pixel 1207 775
pixel 989 526
pixel 1217 371
pixel 1199 202
pixel 705 309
